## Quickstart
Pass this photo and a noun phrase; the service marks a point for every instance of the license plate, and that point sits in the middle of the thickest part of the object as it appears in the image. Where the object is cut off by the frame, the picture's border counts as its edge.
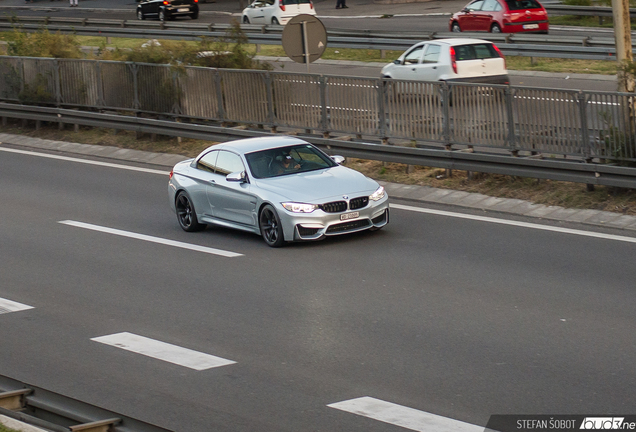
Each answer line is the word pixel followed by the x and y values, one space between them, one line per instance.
pixel 348 216
pixel 187 9
pixel 530 26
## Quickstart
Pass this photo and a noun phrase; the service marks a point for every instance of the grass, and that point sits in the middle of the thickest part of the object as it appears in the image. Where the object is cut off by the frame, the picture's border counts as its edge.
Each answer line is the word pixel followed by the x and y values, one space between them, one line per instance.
pixel 369 55
pixel 548 192
pixel 3 428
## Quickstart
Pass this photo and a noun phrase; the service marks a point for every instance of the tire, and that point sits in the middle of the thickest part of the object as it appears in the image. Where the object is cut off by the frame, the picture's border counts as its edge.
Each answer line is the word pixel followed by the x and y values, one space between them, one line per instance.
pixel 271 228
pixel 186 215
pixel 195 15
pixel 455 28
pixel 275 21
pixel 246 20
pixel 140 15
pixel 162 16
pixel 495 28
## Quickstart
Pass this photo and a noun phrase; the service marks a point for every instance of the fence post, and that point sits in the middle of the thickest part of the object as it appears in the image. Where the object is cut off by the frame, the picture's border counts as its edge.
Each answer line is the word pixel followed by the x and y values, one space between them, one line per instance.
pixel 510 114
pixel 446 113
pixel 101 101
pixel 324 119
pixel 581 99
pixel 382 91
pixel 56 78
pixel 219 95
pixel 270 102
pixel 134 70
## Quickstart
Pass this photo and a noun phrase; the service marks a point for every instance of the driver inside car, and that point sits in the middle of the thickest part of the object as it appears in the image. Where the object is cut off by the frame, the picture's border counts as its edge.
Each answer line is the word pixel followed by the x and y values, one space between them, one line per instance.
pixel 287 164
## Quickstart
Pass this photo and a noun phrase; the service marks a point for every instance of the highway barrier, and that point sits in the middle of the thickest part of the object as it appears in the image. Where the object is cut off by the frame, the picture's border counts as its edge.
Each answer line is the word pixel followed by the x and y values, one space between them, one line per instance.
pixel 594 130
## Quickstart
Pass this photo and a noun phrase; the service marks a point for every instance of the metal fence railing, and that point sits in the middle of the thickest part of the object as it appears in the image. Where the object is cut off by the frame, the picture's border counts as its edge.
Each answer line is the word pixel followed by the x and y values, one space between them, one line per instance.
pixel 583 124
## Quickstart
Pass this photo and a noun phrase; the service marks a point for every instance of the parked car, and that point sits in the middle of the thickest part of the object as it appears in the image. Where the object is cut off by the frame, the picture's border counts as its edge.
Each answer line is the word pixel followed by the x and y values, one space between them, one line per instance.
pixel 167 9
pixel 276 11
pixel 501 16
pixel 453 60
pixel 282 188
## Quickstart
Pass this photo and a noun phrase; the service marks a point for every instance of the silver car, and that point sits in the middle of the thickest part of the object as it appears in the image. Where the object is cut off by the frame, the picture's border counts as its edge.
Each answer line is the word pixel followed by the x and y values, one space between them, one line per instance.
pixel 282 188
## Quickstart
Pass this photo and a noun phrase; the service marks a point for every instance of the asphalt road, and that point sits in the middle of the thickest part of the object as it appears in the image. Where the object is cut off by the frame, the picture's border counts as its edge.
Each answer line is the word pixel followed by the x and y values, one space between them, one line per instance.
pixel 458 318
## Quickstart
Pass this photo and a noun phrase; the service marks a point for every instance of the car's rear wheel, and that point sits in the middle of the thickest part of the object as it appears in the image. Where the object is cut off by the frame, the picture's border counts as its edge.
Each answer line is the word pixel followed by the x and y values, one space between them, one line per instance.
pixel 495 28
pixel 162 16
pixel 194 15
pixel 275 21
pixel 271 228
pixel 246 20
pixel 186 215
pixel 140 15
pixel 455 28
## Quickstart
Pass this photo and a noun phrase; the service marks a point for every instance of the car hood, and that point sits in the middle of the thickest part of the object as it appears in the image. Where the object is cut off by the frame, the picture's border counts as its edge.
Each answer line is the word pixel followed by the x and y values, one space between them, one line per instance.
pixel 318 186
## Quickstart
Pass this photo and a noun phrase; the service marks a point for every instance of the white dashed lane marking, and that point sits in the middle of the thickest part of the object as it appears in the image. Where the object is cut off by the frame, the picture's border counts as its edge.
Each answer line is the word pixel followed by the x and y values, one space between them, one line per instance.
pixel 152 239
pixel 405 417
pixel 7 306
pixel 163 351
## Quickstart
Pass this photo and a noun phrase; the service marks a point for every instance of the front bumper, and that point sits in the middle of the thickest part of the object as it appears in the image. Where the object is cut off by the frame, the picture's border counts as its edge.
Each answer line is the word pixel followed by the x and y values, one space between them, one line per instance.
pixel 319 224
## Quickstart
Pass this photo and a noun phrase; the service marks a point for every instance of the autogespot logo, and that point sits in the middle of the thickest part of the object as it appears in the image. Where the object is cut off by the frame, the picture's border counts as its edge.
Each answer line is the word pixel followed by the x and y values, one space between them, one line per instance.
pixel 606 423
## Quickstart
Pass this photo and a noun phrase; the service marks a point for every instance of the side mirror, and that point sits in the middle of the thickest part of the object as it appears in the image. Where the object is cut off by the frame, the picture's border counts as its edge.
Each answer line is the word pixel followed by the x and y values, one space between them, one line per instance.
pixel 397 61
pixel 239 177
pixel 338 159
pixel 465 10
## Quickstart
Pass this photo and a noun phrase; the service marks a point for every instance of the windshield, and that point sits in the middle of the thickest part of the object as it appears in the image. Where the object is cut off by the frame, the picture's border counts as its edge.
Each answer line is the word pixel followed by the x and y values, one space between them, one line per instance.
pixel 287 160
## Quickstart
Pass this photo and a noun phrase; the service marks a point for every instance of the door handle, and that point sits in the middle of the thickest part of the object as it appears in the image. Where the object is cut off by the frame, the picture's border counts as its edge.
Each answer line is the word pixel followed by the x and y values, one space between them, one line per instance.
pixel 212 181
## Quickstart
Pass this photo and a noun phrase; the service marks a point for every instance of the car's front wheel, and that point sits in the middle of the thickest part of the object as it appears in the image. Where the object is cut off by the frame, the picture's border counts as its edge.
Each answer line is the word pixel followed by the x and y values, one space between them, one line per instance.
pixel 140 15
pixel 186 215
pixel 495 28
pixel 271 228
pixel 455 28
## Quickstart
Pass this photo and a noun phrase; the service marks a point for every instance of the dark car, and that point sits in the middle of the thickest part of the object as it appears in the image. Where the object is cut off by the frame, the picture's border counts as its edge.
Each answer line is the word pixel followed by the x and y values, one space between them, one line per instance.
pixel 501 16
pixel 167 9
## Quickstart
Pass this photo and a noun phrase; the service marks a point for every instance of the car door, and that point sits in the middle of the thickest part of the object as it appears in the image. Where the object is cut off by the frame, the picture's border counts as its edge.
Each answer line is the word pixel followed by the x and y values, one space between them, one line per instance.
pixel 152 7
pixel 255 12
pixel 486 15
pixel 467 19
pixel 407 70
pixel 231 200
pixel 203 176
pixel 427 69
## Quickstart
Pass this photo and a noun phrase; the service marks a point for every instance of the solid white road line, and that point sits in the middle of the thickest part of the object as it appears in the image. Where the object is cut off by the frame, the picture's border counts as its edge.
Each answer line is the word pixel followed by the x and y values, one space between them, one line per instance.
pixel 152 239
pixel 11 306
pixel 405 417
pixel 516 223
pixel 85 161
pixel 163 351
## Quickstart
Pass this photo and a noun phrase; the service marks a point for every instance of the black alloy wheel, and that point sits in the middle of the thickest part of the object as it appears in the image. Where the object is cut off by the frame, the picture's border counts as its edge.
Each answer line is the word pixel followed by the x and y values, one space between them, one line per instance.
pixel 162 16
pixel 140 15
pixel 271 228
pixel 186 215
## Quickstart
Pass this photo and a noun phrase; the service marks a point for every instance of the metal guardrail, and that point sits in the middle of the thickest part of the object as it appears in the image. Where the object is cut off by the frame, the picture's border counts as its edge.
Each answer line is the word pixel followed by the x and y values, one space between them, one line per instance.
pixel 528 45
pixel 530 166
pixel 600 11
pixel 489 120
pixel 54 412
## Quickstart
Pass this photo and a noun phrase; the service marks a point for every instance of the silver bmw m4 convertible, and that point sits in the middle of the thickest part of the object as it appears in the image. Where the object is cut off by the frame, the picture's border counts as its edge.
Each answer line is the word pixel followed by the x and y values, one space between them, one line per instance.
pixel 282 188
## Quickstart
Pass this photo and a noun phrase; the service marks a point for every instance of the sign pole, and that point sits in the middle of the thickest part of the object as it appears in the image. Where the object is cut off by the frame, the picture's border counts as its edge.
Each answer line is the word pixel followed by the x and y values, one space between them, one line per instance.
pixel 305 43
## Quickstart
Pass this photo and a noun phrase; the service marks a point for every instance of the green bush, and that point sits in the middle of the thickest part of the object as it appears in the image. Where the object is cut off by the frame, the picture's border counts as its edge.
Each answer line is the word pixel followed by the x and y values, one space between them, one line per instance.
pixel 44 44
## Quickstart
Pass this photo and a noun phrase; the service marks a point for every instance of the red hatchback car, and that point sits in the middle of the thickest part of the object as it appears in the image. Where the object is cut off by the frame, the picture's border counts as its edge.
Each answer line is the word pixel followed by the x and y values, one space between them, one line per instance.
pixel 501 16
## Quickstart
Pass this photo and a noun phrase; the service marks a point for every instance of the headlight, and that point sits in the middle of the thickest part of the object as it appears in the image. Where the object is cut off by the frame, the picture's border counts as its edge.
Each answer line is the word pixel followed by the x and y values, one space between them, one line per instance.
pixel 299 207
pixel 377 195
